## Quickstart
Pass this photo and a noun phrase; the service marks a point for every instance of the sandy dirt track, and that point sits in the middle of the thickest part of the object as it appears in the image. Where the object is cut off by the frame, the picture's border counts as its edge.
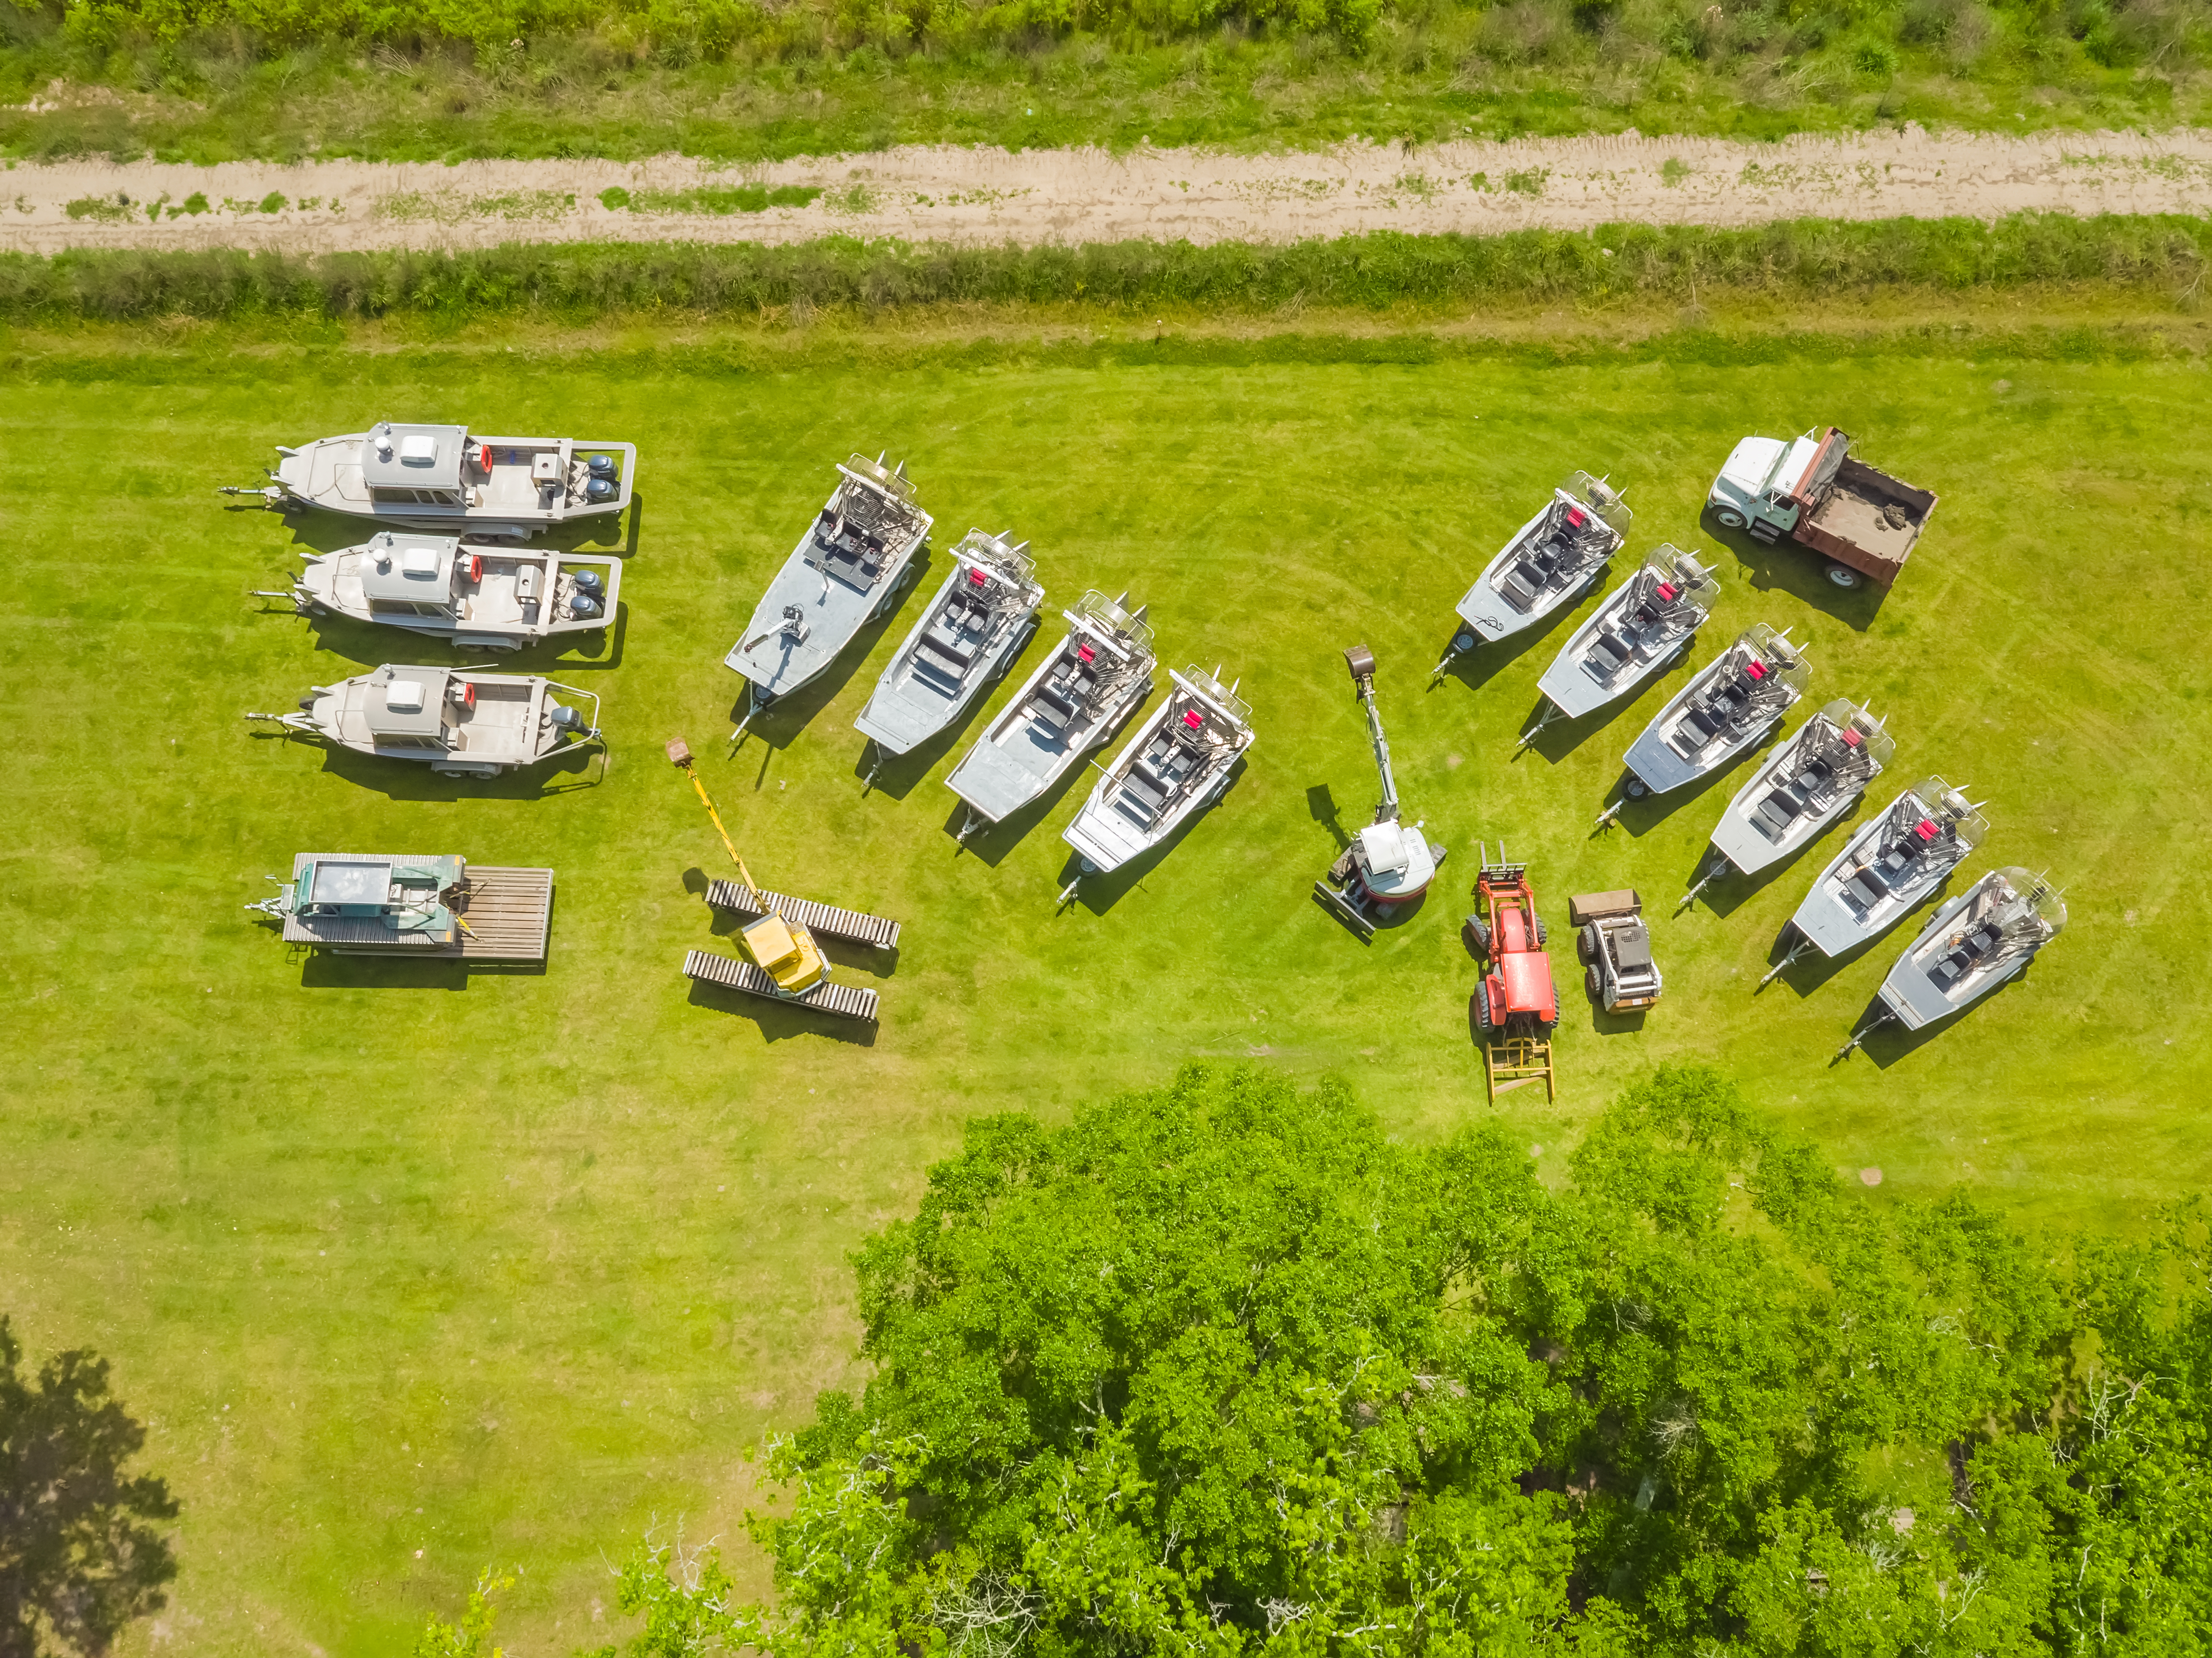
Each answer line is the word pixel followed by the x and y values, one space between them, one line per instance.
pixel 991 196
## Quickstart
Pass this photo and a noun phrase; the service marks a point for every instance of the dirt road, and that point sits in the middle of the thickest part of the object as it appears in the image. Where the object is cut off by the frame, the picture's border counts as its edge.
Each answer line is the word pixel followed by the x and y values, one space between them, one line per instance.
pixel 986 196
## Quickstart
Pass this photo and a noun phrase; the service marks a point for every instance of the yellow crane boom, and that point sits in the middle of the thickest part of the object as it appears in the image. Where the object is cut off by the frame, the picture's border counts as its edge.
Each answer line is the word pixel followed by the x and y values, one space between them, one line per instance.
pixel 783 950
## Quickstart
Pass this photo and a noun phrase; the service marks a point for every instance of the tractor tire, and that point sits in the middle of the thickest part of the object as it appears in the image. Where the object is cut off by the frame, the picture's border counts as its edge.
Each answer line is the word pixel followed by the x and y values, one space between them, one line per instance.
pixel 1543 935
pixel 1477 935
pixel 1586 945
pixel 1478 1004
pixel 1593 984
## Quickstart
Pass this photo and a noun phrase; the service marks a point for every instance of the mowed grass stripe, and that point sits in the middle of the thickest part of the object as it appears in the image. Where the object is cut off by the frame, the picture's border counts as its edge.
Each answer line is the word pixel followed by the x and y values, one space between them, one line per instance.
pixel 540 1255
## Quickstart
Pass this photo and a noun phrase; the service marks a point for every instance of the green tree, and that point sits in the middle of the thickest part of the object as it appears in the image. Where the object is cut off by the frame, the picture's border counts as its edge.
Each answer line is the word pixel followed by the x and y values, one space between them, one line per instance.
pixel 1222 1368
pixel 80 1554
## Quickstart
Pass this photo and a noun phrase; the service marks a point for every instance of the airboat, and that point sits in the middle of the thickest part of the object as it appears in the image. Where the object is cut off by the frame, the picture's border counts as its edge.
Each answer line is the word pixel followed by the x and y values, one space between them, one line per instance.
pixel 1556 556
pixel 1884 869
pixel 1731 702
pixel 449 477
pixel 1804 786
pixel 1980 939
pixel 476 598
pixel 1077 698
pixel 458 721
pixel 1178 761
pixel 848 567
pixel 1650 622
pixel 978 621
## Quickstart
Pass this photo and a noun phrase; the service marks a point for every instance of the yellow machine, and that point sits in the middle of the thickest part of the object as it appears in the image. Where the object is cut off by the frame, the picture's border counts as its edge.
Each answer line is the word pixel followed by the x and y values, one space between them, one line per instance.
pixel 782 949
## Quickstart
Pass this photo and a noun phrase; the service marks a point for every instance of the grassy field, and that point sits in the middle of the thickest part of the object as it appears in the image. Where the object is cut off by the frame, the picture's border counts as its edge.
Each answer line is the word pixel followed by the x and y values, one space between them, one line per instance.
pixel 412 1269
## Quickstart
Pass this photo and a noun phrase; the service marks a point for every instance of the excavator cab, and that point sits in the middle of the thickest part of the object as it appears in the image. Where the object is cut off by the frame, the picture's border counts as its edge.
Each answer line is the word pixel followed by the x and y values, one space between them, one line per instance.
pixel 786 954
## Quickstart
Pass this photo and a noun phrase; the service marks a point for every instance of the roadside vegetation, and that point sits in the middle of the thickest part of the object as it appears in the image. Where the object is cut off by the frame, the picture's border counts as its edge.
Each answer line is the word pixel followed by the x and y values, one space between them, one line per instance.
pixel 2161 260
pixel 728 80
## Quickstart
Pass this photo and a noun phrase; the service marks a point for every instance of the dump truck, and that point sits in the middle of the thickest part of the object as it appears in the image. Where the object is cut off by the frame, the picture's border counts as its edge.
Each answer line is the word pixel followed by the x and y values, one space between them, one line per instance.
pixel 1813 490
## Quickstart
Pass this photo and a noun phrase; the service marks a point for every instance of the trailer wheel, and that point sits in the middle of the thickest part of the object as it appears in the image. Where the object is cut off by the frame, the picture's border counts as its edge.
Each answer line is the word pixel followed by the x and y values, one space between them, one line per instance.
pixel 1586 945
pixel 1594 985
pixel 1730 518
pixel 1842 575
pixel 1636 789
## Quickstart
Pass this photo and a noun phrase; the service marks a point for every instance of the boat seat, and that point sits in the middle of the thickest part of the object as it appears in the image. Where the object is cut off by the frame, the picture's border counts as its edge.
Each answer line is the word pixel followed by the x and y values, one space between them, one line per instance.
pixel 1612 651
pixel 1052 712
pixel 1149 792
pixel 1778 811
pixel 931 651
pixel 1696 720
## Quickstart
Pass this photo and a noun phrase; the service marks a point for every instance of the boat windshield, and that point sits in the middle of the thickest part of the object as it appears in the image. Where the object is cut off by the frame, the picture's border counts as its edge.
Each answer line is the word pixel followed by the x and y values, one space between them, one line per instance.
pixel 1109 619
pixel 1204 684
pixel 1866 733
pixel 2034 896
pixel 1601 498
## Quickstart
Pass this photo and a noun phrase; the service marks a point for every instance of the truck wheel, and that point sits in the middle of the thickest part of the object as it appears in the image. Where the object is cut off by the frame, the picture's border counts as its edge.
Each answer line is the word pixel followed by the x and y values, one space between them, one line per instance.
pixel 1593 985
pixel 1586 945
pixel 1842 575
pixel 1730 518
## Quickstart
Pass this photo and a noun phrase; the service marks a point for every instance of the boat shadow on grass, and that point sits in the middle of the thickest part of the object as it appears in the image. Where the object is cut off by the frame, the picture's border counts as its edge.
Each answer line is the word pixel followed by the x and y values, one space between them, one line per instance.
pixel 1476 668
pixel 1892 1043
pixel 992 843
pixel 581 767
pixel 367 645
pixel 779 723
pixel 1791 568
pixel 1100 892
pixel 1640 818
pixel 326 532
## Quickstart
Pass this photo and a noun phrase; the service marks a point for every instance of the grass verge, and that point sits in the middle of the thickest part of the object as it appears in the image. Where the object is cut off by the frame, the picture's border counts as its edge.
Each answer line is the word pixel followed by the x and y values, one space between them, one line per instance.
pixel 1813 261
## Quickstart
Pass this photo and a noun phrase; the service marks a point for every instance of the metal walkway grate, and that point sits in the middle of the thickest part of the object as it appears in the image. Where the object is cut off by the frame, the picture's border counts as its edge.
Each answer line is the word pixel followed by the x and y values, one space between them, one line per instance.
pixel 847 1001
pixel 820 918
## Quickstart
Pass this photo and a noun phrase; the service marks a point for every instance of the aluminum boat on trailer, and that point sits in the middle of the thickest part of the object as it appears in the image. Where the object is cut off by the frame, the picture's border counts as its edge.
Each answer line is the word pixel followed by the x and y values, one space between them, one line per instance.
pixel 476 598
pixel 1077 699
pixel 973 629
pixel 1981 940
pixel 849 566
pixel 455 721
pixel 424 907
pixel 1554 557
pixel 1884 870
pixel 1730 704
pixel 1179 760
pixel 1650 620
pixel 1804 786
pixel 446 477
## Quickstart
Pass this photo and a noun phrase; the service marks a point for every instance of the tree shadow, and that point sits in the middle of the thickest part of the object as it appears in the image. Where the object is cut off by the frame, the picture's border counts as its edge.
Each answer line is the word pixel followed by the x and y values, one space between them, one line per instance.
pixel 778 725
pixel 1791 568
pixel 1100 892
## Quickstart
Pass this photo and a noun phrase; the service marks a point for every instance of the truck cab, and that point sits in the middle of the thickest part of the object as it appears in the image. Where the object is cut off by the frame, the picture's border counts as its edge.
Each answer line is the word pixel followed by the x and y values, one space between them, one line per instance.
pixel 1754 485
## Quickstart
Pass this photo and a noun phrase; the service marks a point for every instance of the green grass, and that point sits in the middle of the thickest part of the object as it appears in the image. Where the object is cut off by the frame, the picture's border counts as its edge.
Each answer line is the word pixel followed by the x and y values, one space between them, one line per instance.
pixel 501 1267
pixel 1431 73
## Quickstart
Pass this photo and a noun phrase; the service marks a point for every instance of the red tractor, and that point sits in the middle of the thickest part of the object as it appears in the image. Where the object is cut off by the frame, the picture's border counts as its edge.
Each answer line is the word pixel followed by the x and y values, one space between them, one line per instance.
pixel 1518 1000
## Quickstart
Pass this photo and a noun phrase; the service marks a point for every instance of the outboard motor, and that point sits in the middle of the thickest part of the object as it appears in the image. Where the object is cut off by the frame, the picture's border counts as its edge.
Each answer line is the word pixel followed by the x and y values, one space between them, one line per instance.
pixel 598 488
pixel 583 603
pixel 566 718
pixel 602 466
pixel 588 581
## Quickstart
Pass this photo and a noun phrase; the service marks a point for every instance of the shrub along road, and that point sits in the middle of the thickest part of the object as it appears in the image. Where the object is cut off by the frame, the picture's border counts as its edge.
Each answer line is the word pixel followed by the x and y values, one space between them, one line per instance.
pixel 986 196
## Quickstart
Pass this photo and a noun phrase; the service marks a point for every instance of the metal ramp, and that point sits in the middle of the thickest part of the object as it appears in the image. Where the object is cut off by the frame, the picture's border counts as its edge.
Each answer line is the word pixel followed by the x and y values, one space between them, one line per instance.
pixel 1515 1062
pixel 850 925
pixel 845 1001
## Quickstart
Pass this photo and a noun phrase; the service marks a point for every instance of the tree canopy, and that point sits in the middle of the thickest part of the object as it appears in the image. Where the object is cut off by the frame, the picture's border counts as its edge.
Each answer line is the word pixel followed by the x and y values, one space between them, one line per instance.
pixel 1222 1368
pixel 80 1557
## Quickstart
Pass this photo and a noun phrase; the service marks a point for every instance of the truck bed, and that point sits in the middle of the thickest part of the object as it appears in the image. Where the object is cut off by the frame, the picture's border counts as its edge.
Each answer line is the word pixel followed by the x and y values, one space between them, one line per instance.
pixel 1844 502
